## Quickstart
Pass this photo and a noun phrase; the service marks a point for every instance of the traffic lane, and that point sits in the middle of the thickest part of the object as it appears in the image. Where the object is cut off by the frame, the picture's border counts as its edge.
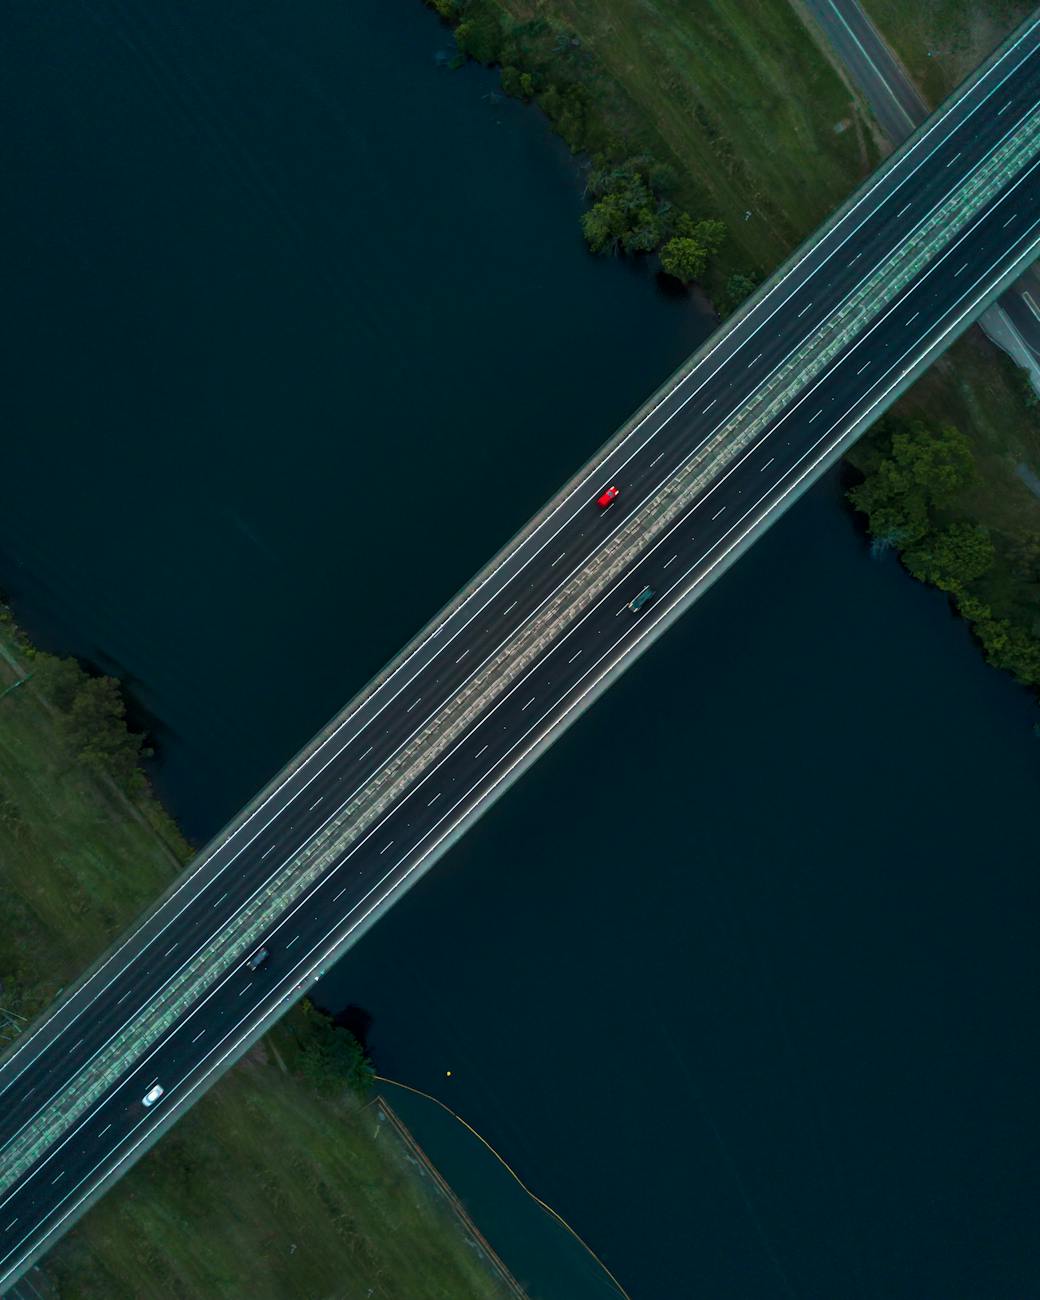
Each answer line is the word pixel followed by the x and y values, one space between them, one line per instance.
pixel 509 726
pixel 778 341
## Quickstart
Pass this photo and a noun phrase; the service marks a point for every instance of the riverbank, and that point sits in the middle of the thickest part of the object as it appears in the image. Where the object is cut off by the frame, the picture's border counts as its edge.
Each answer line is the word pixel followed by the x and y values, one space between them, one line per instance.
pixel 735 111
pixel 217 1208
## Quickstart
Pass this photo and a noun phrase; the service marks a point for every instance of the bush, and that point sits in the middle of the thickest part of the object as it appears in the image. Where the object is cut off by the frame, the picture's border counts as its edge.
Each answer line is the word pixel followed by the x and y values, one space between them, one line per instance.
pixel 330 1057
pixel 93 716
pixel 951 558
pixel 919 467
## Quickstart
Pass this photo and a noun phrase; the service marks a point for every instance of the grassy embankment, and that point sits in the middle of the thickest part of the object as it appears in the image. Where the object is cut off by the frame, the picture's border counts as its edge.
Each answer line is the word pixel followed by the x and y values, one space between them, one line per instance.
pixel 745 111
pixel 267 1188
pixel 941 41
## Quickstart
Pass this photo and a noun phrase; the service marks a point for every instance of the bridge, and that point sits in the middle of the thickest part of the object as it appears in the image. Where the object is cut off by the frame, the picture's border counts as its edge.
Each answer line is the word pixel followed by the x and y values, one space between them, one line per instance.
pixel 716 455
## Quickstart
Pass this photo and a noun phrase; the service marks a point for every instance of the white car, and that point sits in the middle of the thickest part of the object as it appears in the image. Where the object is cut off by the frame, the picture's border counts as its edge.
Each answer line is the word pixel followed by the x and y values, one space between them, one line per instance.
pixel 153 1094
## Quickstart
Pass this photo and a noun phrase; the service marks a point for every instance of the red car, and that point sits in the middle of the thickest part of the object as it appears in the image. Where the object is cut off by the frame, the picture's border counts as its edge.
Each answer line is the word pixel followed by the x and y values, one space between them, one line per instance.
pixel 608 498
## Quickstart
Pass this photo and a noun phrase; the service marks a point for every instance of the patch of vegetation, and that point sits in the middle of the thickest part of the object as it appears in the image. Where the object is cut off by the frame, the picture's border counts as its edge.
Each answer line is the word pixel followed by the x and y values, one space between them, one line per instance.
pixel 914 472
pixel 660 92
pixel 942 41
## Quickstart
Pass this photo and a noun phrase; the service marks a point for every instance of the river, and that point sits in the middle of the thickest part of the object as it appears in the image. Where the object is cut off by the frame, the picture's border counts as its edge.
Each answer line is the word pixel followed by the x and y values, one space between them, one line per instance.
pixel 740 977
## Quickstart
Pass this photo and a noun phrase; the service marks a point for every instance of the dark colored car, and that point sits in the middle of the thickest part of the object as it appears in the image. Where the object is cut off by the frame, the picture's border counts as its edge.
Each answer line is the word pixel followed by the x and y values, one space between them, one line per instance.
pixel 637 604
pixel 258 958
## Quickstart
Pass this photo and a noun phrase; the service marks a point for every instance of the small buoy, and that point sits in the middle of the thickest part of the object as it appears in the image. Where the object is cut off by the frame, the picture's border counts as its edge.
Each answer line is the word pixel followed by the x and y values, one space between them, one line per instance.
pixel 447 1074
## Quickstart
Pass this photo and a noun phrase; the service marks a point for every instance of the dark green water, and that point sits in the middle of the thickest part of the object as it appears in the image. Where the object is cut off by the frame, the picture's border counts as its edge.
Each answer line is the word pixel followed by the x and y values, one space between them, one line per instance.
pixel 741 977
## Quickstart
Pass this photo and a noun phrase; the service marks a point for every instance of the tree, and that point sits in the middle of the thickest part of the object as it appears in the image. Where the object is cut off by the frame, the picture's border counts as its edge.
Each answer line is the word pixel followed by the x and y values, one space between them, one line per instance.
pixel 738 287
pixel 684 258
pixel 952 558
pixel 330 1056
pixel 921 468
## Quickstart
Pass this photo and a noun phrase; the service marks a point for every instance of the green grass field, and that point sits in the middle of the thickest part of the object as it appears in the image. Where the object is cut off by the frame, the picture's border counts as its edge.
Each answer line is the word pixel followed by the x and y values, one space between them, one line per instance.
pixel 265 1189
pixel 941 41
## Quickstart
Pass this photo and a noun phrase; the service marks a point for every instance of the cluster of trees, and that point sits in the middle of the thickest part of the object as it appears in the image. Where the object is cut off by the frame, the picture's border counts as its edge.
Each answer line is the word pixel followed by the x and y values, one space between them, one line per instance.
pixel 330 1057
pixel 630 211
pixel 92 716
pixel 913 473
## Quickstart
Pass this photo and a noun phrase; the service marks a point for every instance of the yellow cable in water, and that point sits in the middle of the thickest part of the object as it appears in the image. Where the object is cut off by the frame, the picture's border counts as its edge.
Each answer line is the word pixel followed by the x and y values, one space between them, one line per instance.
pixel 381 1078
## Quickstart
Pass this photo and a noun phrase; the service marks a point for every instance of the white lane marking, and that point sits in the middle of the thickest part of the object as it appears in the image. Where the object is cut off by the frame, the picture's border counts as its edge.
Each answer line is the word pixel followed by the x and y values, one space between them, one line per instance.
pixel 1027 298
pixel 292 941
pixel 709 406
pixel 863 367
pixel 75 1045
pixel 435 798
pixel 267 853
pixel 125 996
pixel 856 259
pixel 529 703
pixel 1015 261
pixel 383 850
pixel 104 1130
pixel 464 654
pixel 1009 221
pixel 764 467
pixel 340 894
pixel 11 1224
pixel 717 513
pixel 479 752
pixel 1004 109
pixel 573 657
pixel 655 460
pixel 835 237
pixel 955 157
pixel 911 319
pixel 959 270
pixel 511 607
pixel 667 562
pixel 58 1179
pixel 245 990
pixel 816 416
pixel 752 361
pixel 169 950
pixel 557 560
pixel 315 803
pixel 903 209
pixel 198 1036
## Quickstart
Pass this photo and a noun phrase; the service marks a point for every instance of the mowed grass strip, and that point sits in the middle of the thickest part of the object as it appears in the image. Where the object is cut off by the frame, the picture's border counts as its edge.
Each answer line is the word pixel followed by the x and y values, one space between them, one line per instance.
pixel 266 1188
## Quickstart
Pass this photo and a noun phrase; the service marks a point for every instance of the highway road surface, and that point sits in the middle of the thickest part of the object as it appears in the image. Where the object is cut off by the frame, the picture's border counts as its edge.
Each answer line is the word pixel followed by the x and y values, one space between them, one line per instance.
pixel 900 109
pixel 710 461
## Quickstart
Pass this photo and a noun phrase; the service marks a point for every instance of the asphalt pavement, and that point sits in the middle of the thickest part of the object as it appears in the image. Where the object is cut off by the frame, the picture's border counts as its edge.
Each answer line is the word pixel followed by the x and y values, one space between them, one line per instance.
pixel 529 644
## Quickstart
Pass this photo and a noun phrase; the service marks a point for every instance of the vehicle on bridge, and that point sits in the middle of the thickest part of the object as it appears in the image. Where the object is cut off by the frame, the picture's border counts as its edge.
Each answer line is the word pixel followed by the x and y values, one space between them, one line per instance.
pixel 608 497
pixel 153 1094
pixel 637 604
pixel 258 958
